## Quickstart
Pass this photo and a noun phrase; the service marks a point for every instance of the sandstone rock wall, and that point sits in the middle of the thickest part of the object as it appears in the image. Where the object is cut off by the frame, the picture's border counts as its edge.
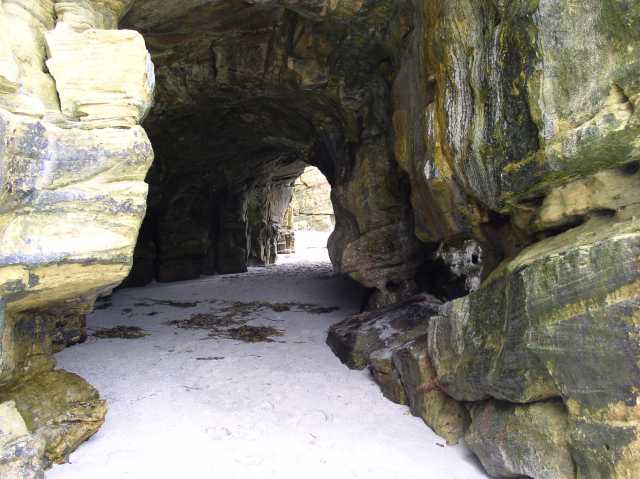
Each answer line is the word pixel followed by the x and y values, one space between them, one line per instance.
pixel 72 163
pixel 311 207
pixel 247 93
pixel 517 125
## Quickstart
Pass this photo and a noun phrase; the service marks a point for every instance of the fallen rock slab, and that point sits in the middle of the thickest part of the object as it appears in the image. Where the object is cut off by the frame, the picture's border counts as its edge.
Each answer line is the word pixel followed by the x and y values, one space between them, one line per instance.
pixel 59 407
pixel 357 337
pixel 392 343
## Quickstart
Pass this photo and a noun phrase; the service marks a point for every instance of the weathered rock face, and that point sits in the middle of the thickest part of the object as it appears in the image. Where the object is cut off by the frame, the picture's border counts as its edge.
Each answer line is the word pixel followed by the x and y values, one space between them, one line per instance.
pixel 446 416
pixel 514 99
pixel 20 451
pixel 248 93
pixel 510 121
pixel 72 197
pixel 59 407
pixel 558 320
pixel 391 342
pixel 522 441
pixel 528 107
pixel 311 207
pixel 72 193
pixel 355 339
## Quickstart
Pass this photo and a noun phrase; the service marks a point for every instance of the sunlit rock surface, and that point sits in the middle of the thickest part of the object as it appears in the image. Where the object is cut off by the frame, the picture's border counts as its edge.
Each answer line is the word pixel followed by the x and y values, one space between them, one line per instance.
pixel 21 452
pixel 118 96
pixel 59 407
pixel 72 197
pixel 311 207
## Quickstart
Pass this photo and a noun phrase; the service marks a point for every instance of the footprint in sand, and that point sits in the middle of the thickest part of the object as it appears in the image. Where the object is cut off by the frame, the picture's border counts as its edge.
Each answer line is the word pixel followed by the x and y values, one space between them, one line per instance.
pixel 312 421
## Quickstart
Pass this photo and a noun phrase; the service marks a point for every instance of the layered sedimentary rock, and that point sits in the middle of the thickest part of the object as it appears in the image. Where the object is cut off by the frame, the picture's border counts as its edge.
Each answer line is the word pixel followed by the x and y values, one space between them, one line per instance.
pixel 116 97
pixel 72 194
pixel 59 407
pixel 515 441
pixel 530 114
pixel 514 99
pixel 391 342
pixel 72 197
pixel 560 320
pixel 248 93
pixel 447 417
pixel 311 207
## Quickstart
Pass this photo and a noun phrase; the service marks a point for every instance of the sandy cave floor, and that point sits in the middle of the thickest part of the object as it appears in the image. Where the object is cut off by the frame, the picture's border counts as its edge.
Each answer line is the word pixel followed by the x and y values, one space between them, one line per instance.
pixel 192 403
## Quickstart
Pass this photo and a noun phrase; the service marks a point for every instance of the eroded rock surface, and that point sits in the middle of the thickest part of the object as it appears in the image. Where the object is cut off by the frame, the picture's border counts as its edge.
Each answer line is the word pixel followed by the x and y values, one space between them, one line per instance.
pixel 446 416
pixel 392 343
pixel 558 320
pixel 61 408
pixel 72 197
pixel 249 93
pixel 21 453
pixel 558 99
pixel 355 339
pixel 311 207
pixel 514 441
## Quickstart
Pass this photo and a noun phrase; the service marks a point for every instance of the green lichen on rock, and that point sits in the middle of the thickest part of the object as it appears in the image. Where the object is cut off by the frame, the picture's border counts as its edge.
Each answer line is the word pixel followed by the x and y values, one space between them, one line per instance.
pixel 506 123
pixel 558 320
pixel 61 408
pixel 514 441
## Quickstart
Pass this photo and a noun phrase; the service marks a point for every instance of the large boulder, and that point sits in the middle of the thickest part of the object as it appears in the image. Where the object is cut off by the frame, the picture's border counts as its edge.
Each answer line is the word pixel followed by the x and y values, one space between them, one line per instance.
pixel 392 343
pixel 356 338
pixel 514 441
pixel 59 407
pixel 559 320
pixel 369 340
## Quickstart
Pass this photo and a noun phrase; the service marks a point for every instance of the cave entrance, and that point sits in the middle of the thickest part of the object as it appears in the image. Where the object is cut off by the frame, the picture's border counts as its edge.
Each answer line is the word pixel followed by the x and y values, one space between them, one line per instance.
pixel 308 221
pixel 217 231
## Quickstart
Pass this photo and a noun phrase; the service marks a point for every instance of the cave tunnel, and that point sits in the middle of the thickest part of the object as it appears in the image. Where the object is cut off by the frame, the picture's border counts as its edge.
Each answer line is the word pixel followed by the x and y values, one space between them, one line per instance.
pixel 331 238
pixel 246 100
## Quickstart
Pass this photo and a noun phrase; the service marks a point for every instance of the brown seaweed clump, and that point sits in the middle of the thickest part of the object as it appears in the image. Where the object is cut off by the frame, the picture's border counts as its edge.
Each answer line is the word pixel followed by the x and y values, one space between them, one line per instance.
pixel 121 332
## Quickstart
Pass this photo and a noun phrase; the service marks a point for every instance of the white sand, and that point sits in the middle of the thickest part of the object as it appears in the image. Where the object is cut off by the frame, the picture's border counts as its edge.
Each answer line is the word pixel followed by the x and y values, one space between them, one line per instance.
pixel 286 409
